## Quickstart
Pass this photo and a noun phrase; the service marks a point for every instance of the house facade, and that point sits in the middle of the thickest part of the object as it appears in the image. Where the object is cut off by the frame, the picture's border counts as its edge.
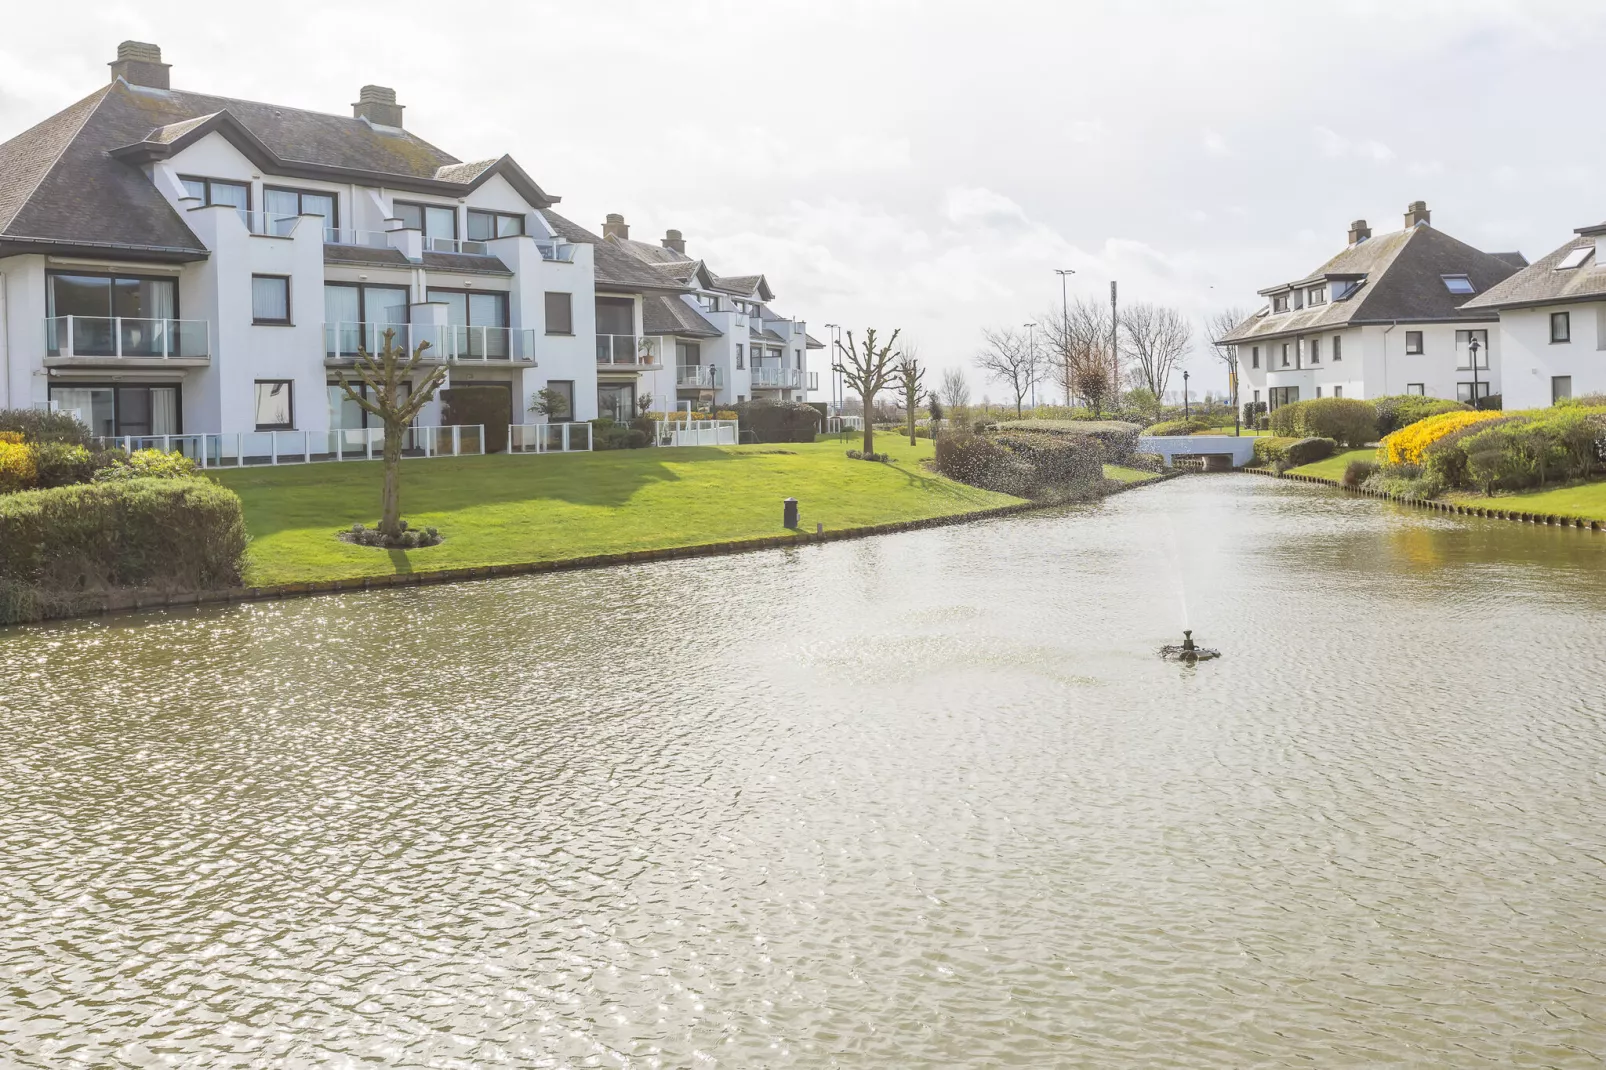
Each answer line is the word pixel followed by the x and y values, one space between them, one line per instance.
pixel 178 263
pixel 1553 323
pixel 1387 315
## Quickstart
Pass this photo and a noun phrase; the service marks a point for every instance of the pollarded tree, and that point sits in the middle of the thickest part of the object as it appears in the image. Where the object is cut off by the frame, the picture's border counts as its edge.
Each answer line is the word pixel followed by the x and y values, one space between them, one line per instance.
pixel 388 399
pixel 868 369
pixel 911 377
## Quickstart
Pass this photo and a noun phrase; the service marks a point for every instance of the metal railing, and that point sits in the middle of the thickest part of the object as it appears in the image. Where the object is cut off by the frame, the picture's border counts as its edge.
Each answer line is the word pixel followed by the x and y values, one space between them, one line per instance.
pixel 571 437
pixel 838 424
pixel 249 448
pixel 627 349
pixel 557 251
pixel 125 337
pixel 372 239
pixel 695 432
pixel 770 377
pixel 448 342
pixel 710 376
pixel 456 245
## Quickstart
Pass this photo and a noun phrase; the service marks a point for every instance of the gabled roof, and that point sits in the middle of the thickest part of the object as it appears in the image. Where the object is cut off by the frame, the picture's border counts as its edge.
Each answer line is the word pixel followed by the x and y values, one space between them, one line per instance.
pixel 1404 282
pixel 615 269
pixel 1543 283
pixel 75 179
pixel 813 342
pixel 745 286
pixel 652 254
pixel 670 314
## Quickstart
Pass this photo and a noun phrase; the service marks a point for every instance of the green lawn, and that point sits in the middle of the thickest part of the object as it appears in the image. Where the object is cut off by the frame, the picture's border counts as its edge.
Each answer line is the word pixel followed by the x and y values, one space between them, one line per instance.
pixel 1127 475
pixel 1333 467
pixel 1587 500
pixel 504 509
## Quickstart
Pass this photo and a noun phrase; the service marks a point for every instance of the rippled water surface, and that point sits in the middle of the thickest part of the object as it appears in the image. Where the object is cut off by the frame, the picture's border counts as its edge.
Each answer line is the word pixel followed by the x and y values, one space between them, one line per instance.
pixel 924 800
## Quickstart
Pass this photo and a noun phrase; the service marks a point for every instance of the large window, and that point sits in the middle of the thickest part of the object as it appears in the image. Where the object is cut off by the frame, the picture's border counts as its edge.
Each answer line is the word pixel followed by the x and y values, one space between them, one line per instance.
pixel 1413 342
pixel 270 300
pixel 121 409
pixel 616 401
pixel 1279 396
pixel 1561 329
pixel 688 354
pixel 435 220
pixel 1561 386
pixel 564 389
pixel 112 314
pixel 281 201
pixel 275 409
pixel 559 313
pixel 483 225
pixel 219 191
pixel 346 415
pixel 478 320
pixel 358 314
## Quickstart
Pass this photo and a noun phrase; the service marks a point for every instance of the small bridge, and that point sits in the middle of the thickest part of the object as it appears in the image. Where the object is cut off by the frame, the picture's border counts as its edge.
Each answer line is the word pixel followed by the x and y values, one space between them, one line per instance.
pixel 1237 451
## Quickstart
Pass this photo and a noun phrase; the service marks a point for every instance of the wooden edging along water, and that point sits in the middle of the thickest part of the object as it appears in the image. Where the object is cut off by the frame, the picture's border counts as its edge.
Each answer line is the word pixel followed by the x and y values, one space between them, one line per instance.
pixel 1488 513
pixel 134 601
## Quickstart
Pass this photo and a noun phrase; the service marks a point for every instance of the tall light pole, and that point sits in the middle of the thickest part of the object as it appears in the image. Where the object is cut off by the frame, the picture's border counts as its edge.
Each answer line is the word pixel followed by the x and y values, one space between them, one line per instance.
pixel 1115 351
pixel 1472 351
pixel 1184 393
pixel 1031 356
pixel 835 361
pixel 1065 329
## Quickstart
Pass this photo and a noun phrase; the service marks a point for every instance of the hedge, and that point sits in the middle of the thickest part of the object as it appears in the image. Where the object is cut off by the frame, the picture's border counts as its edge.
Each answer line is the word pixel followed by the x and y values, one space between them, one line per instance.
pixel 488 406
pixel 1349 421
pixel 1190 426
pixel 1118 438
pixel 782 421
pixel 1025 464
pixel 1281 454
pixel 1406 445
pixel 61 549
pixel 39 425
pixel 1395 411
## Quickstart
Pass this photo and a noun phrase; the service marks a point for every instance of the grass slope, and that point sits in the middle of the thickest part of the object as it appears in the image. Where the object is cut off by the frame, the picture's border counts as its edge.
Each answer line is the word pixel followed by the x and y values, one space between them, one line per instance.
pixel 1127 475
pixel 1587 500
pixel 505 509
pixel 1333 467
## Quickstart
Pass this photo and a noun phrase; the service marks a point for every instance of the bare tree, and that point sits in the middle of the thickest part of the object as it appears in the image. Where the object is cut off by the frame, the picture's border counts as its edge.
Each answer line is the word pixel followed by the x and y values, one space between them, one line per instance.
pixel 911 377
pixel 868 369
pixel 1079 345
pixel 1010 358
pixel 955 389
pixel 1158 337
pixel 1218 325
pixel 386 398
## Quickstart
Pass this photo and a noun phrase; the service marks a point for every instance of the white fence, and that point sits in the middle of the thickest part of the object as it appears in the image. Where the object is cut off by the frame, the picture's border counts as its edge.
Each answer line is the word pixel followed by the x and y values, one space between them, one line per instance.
pixel 695 432
pixel 838 424
pixel 248 448
pixel 549 438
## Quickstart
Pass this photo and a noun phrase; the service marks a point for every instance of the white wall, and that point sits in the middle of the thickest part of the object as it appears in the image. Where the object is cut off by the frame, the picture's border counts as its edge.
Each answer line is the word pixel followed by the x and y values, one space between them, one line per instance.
pixel 22 370
pixel 1374 362
pixel 1531 359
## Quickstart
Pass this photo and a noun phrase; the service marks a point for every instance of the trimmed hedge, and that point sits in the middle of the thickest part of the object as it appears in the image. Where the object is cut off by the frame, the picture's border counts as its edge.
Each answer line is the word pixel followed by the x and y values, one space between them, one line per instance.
pixel 1118 438
pixel 1281 454
pixel 37 425
pixel 1025 464
pixel 1190 426
pixel 784 421
pixel 60 549
pixel 1349 421
pixel 1395 411
pixel 472 404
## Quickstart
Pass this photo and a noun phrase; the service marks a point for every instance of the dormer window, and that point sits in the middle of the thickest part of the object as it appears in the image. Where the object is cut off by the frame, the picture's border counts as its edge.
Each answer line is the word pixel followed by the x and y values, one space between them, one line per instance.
pixel 435 220
pixel 483 225
pixel 1279 303
pixel 710 303
pixel 1316 295
pixel 1575 257
pixel 212 191
pixel 1458 284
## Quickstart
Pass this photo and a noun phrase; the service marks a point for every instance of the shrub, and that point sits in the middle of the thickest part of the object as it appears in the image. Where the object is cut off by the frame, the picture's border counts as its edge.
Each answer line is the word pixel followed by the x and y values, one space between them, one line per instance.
pixel 1254 412
pixel 1346 420
pixel 1268 451
pixel 1118 438
pixel 61 548
pixel 1395 411
pixel 1282 453
pixel 860 455
pixel 1407 481
pixel 12 437
pixel 1025 464
pixel 1406 445
pixel 487 406
pixel 1190 426
pixel 406 539
pixel 1358 472
pixel 780 421
pixel 62 464
pixel 18 470
pixel 38 425
pixel 608 434
pixel 144 464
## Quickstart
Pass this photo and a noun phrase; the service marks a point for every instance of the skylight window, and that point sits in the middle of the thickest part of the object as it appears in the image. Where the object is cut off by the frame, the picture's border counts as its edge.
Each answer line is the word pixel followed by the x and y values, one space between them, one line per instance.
pixel 1575 257
pixel 1457 284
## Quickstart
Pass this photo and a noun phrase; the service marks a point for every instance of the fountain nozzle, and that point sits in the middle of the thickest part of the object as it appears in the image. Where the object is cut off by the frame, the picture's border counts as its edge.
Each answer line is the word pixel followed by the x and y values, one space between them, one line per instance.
pixel 1189 651
pixel 1187 640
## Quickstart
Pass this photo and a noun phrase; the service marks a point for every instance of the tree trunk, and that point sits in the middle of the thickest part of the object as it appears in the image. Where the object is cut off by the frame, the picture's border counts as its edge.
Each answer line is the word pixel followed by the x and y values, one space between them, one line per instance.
pixel 911 405
pixel 869 430
pixel 390 500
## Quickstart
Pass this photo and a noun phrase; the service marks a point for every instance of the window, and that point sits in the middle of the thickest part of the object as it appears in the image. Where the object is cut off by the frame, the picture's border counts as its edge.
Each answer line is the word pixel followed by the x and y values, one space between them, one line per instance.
pixel 121 409
pixel 1413 342
pixel 1285 354
pixel 112 314
pixel 1315 350
pixel 478 319
pixel 1254 356
pixel 739 354
pixel 219 191
pixel 435 220
pixel 1415 388
pixel 559 313
pixel 275 412
pixel 1338 391
pixel 710 302
pixel 1561 328
pixel 270 299
pixel 1318 391
pixel 346 415
pixel 797 358
pixel 1463 391
pixel 1575 257
pixel 356 315
pixel 1317 295
pixel 1338 348
pixel 1463 349
pixel 616 401
pixel 1561 386
pixel 483 225
pixel 1257 397
pixel 279 201
pixel 564 389
pixel 1278 396
pixel 1458 284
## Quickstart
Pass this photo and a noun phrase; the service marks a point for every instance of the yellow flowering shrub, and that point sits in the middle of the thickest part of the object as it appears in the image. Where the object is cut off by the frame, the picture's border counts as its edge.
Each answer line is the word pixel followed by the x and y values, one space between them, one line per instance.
pixel 18 471
pixel 14 437
pixel 1405 446
pixel 726 414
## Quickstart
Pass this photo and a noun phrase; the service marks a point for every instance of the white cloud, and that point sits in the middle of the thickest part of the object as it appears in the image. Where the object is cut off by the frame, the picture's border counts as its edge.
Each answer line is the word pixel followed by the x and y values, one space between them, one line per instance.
pixel 1335 146
pixel 1085 131
pixel 1215 144
pixel 971 207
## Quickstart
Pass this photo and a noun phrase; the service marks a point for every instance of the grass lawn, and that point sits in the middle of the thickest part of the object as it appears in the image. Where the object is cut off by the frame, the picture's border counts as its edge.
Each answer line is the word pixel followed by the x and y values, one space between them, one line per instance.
pixel 1127 475
pixel 1226 429
pixel 1587 500
pixel 505 509
pixel 1333 467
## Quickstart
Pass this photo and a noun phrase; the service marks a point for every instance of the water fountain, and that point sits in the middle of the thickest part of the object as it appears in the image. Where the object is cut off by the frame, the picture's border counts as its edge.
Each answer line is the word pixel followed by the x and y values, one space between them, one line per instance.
pixel 1188 651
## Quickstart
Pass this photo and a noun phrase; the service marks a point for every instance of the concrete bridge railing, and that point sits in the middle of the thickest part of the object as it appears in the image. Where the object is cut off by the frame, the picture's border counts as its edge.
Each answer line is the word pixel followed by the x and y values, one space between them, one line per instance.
pixel 1240 449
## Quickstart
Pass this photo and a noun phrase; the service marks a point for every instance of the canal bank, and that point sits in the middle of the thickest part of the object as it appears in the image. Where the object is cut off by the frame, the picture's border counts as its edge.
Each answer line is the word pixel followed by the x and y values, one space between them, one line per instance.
pixel 1511 511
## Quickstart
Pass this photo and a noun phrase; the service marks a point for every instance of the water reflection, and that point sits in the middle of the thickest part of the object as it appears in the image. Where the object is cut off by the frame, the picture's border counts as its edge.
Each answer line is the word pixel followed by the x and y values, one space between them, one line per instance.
pixel 922 800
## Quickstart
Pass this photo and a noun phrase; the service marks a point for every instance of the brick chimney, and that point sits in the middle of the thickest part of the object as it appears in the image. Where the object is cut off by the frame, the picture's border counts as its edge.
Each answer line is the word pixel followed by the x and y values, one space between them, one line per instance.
pixel 1417 213
pixel 615 227
pixel 1359 231
pixel 674 242
pixel 377 104
pixel 140 63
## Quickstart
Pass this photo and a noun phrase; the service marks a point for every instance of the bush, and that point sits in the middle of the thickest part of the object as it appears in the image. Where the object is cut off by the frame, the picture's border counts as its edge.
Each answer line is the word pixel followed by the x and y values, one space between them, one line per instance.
pixel 1190 426
pixel 1407 481
pixel 487 406
pixel 38 425
pixel 1118 438
pixel 780 421
pixel 860 455
pixel 607 434
pixel 1282 453
pixel 1406 445
pixel 12 437
pixel 407 539
pixel 1025 464
pixel 144 464
pixel 18 470
pixel 1349 421
pixel 1358 472
pixel 1395 411
pixel 60 549
pixel 62 464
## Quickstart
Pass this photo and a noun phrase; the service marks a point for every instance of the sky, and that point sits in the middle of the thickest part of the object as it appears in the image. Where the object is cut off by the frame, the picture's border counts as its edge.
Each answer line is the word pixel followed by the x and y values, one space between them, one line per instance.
pixel 927 165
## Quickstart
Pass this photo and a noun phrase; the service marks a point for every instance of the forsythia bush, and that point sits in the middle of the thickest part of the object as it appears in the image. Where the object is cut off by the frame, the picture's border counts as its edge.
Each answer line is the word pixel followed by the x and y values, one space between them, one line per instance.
pixel 13 437
pixel 1405 446
pixel 17 468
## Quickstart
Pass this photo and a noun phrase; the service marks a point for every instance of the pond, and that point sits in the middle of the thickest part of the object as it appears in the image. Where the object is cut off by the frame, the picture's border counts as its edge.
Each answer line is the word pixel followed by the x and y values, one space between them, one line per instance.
pixel 921 800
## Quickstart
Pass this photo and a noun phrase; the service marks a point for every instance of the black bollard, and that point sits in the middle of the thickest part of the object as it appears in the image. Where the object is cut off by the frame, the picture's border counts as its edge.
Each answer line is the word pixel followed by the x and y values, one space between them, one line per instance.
pixel 789 513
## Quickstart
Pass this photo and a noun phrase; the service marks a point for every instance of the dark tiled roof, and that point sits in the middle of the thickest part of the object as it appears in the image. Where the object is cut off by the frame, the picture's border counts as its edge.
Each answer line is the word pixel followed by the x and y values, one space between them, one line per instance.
pixel 740 285
pixel 364 255
pixel 666 314
pixel 465 263
pixel 813 342
pixel 1542 284
pixel 1403 272
pixel 615 268
pixel 652 254
pixel 1515 259
pixel 445 263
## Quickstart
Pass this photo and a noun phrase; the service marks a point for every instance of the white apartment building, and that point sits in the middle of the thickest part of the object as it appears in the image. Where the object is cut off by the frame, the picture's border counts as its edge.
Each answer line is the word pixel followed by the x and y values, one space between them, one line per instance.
pixel 1553 323
pixel 1391 314
pixel 177 263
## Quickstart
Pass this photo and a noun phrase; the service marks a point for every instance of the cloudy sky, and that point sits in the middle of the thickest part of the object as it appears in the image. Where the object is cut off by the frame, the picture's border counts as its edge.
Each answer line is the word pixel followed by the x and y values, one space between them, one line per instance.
pixel 926 165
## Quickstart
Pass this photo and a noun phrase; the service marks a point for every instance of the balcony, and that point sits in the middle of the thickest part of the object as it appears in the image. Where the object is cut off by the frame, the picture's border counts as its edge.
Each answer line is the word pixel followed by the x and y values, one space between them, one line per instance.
pixel 99 339
pixel 627 352
pixel 267 225
pixel 559 252
pixel 770 377
pixel 368 239
pixel 454 344
pixel 455 245
pixel 695 377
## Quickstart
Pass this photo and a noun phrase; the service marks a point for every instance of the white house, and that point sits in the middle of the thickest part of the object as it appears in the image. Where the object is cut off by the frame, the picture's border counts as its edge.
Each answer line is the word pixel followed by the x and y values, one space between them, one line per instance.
pixel 1387 315
pixel 1553 323
pixel 177 263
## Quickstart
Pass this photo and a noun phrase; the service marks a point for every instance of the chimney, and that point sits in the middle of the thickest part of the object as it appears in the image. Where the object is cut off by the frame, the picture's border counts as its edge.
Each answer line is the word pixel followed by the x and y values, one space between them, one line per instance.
pixel 139 63
pixel 1417 213
pixel 377 104
pixel 1359 232
pixel 615 227
pixel 674 242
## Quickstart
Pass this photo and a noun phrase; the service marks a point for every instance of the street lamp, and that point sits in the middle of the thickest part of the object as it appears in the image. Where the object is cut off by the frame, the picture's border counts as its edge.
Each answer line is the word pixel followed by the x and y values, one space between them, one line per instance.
pixel 1472 349
pixel 835 402
pixel 1184 393
pixel 1031 356
pixel 1065 329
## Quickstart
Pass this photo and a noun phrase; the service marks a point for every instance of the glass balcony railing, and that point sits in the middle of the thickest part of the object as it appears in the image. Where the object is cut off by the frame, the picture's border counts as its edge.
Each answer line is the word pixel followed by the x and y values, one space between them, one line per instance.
pixel 448 342
pixel 627 350
pixel 127 337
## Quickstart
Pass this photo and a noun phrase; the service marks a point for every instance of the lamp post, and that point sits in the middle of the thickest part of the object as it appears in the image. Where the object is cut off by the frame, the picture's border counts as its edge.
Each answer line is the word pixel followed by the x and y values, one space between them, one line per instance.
pixel 1031 357
pixel 1065 330
pixel 835 402
pixel 1184 393
pixel 1472 351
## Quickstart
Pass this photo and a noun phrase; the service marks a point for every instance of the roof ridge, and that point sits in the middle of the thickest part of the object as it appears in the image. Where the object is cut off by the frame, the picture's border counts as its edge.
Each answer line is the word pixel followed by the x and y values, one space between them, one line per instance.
pixel 61 150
